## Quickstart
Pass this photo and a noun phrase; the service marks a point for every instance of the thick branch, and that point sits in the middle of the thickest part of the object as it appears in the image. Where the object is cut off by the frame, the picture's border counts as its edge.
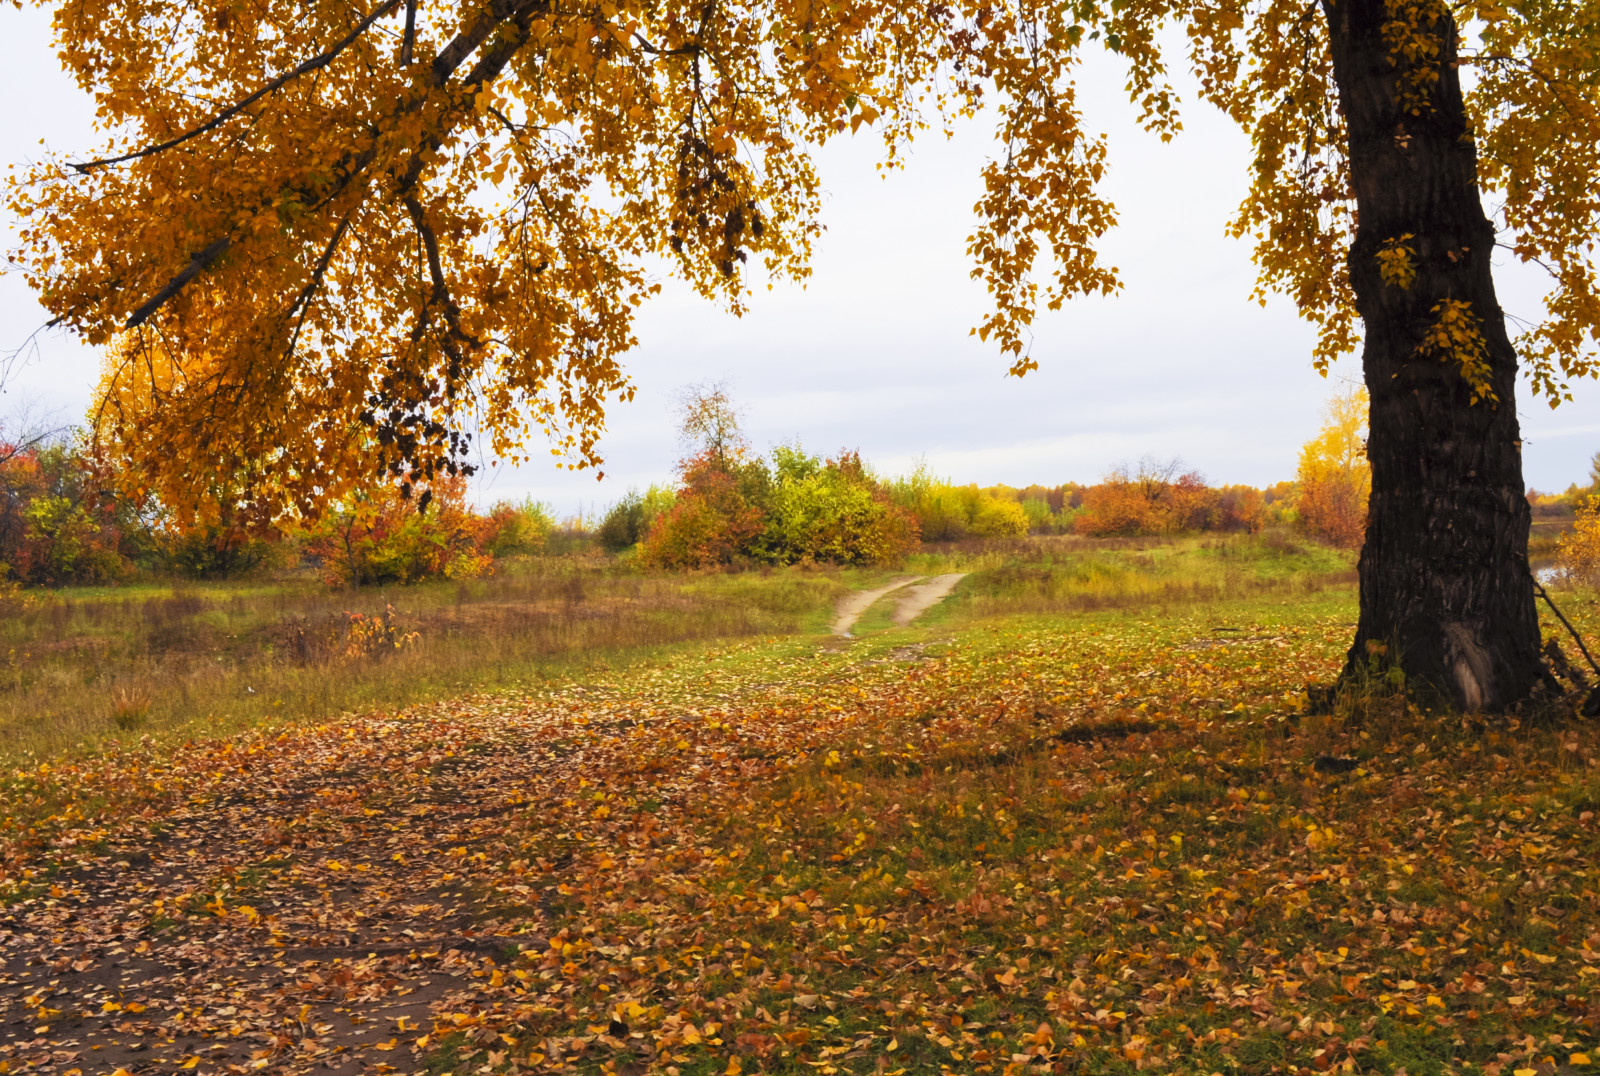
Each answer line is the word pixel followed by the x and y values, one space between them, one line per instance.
pixel 441 288
pixel 411 33
pixel 197 262
pixel 313 64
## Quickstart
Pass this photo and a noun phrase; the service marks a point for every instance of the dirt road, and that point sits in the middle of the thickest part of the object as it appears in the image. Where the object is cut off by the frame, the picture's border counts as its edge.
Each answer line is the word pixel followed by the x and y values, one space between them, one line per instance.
pixel 919 599
pixel 853 605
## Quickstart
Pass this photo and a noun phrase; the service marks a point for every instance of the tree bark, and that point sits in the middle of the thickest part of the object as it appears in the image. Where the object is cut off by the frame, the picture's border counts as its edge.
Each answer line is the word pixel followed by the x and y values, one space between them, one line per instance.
pixel 1445 588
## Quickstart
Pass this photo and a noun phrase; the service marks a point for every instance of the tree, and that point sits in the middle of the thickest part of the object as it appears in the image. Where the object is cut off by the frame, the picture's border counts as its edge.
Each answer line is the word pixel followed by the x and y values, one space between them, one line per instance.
pixel 392 225
pixel 1159 497
pixel 1334 480
pixel 709 421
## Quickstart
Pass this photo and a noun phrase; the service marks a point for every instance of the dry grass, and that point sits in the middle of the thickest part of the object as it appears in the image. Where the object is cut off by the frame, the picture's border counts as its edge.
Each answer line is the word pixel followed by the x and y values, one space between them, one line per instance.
pixel 78 667
pixel 1068 574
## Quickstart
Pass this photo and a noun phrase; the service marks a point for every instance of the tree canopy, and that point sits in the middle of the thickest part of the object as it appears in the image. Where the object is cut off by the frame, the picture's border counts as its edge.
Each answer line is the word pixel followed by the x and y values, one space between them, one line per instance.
pixel 343 234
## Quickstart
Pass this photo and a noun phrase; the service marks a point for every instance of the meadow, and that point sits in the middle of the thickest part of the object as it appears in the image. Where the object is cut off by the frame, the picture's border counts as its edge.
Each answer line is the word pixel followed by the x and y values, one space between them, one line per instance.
pixel 1077 818
pixel 170 660
pixel 193 658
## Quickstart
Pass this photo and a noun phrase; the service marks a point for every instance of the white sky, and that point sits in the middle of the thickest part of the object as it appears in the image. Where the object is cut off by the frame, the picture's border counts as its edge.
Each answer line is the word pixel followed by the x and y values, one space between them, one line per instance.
pixel 875 353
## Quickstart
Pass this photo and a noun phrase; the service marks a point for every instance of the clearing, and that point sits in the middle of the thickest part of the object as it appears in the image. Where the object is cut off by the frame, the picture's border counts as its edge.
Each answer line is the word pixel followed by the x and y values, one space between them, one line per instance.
pixel 1079 820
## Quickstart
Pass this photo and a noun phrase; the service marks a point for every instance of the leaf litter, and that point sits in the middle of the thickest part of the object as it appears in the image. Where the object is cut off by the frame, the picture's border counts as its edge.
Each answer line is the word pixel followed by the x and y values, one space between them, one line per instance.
pixel 1044 848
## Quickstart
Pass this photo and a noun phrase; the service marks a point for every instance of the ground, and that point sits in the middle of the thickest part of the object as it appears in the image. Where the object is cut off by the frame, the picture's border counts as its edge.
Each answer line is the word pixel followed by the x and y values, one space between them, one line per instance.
pixel 1077 818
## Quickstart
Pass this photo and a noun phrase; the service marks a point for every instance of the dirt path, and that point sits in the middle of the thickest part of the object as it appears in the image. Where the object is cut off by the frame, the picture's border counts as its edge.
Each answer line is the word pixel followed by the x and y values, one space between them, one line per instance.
pixel 919 599
pixel 853 605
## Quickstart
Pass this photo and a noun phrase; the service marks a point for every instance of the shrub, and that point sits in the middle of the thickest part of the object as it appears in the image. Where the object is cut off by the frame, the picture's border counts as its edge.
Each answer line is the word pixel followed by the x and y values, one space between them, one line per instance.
pixel 993 517
pixel 1117 508
pixel 217 552
pixel 1237 508
pixel 1154 499
pixel 515 529
pixel 799 509
pixel 60 521
pixel 716 515
pixel 833 512
pixel 378 536
pixel 629 520
pixel 945 512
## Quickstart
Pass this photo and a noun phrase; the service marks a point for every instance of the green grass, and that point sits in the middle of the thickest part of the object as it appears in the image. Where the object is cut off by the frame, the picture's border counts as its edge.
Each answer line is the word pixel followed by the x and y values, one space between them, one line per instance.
pixel 81 666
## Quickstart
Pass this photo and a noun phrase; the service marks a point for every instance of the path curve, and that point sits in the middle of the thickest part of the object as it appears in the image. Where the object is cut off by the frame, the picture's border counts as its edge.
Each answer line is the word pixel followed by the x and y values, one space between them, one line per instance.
pixel 853 605
pixel 919 599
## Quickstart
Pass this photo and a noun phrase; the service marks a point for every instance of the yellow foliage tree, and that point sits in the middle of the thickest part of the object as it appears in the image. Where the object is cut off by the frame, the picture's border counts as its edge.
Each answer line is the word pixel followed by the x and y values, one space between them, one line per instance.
pixel 370 229
pixel 1578 550
pixel 1334 479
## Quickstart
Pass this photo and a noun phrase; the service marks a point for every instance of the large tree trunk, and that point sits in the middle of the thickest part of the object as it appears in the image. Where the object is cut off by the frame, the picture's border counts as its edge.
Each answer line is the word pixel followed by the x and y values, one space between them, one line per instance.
pixel 1445 586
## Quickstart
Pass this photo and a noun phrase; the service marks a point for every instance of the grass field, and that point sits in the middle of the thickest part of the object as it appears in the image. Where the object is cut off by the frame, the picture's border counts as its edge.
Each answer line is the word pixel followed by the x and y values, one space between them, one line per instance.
pixel 1078 819
pixel 84 665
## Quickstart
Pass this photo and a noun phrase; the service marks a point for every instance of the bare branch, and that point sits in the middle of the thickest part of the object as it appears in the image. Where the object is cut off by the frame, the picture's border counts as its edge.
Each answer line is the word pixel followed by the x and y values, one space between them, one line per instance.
pixel 313 64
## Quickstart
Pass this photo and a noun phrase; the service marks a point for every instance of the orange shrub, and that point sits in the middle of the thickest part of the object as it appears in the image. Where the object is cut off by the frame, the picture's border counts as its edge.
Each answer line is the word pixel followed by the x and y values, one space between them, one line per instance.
pixel 1156 499
pixel 712 519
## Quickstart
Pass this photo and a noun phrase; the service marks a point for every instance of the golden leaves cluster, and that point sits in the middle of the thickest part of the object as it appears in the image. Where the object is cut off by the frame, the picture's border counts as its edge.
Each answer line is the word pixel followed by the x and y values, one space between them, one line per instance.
pixel 1456 335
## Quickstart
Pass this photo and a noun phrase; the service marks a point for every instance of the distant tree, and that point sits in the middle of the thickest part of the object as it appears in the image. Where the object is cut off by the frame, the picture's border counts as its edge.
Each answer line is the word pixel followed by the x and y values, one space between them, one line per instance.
pixel 709 421
pixel 1578 550
pixel 1334 479
pixel 947 512
pixel 1156 496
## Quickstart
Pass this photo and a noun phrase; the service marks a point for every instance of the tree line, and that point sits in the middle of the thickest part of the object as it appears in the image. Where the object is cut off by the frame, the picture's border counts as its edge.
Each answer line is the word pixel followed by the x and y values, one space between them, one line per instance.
pixel 69 517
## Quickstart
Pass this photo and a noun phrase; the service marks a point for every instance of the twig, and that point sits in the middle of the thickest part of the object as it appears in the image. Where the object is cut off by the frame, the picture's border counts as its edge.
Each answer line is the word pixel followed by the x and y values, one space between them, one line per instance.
pixel 1539 591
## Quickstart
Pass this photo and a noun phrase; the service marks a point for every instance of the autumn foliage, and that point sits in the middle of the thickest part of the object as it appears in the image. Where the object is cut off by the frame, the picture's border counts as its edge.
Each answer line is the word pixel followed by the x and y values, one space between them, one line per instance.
pixel 1578 551
pixel 388 223
pixel 732 507
pixel 1334 478
pixel 62 521
pixel 1159 497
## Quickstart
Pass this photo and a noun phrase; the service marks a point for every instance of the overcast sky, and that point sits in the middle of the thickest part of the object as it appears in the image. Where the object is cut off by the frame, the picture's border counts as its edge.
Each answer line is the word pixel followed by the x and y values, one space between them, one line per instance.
pixel 875 353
